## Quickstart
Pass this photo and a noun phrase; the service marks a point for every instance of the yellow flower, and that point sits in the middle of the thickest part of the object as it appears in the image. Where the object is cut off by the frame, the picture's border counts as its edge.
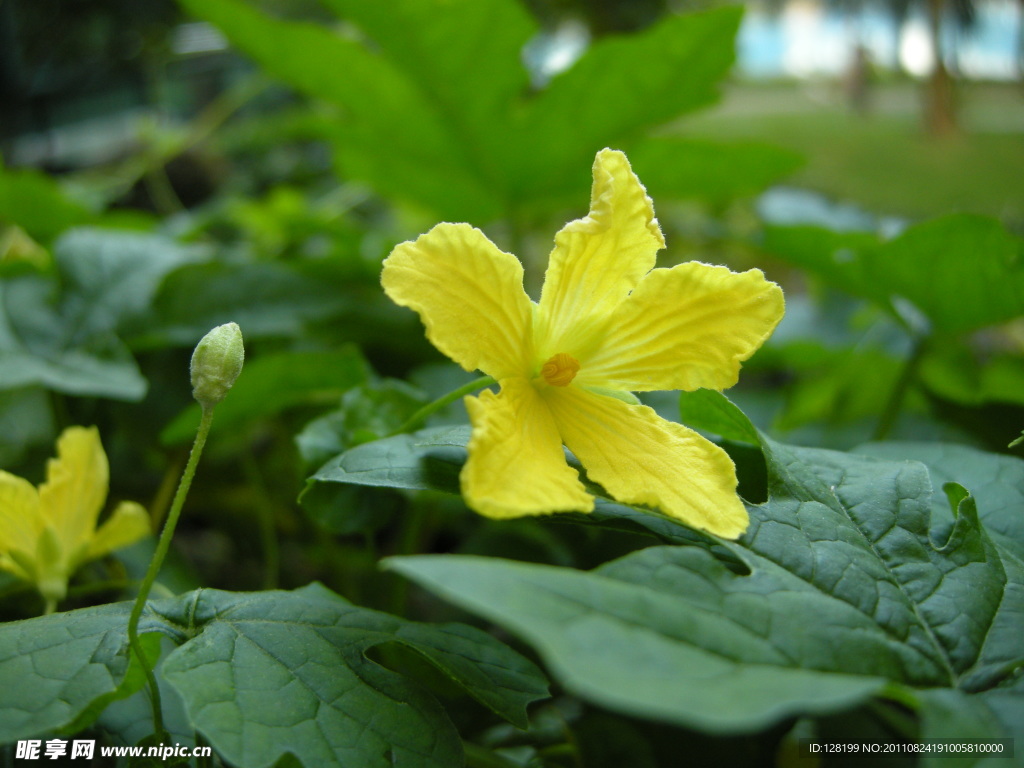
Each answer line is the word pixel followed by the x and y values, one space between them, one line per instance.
pixel 607 324
pixel 46 534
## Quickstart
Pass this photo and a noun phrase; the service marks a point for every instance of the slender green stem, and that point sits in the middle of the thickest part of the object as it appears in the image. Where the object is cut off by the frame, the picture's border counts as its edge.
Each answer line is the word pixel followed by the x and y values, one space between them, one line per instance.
pixel 50 607
pixel 162 547
pixel 429 410
pixel 899 391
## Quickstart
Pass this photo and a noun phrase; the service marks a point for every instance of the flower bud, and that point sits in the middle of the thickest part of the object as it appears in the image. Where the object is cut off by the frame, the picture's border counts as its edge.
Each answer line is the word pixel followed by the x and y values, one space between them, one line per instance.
pixel 216 364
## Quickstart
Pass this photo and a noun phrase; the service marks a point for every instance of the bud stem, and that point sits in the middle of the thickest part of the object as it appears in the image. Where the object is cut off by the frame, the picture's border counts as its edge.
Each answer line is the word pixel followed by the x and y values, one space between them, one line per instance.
pixel 162 547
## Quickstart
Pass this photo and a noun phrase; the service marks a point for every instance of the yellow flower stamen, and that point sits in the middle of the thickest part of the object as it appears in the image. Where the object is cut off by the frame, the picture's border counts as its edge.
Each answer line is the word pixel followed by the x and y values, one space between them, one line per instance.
pixel 560 370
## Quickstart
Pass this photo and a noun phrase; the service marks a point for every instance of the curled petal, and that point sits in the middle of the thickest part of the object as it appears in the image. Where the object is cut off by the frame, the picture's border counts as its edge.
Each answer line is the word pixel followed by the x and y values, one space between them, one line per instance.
pixel 469 295
pixel 598 259
pixel 76 486
pixel 640 458
pixel 128 523
pixel 516 463
pixel 686 328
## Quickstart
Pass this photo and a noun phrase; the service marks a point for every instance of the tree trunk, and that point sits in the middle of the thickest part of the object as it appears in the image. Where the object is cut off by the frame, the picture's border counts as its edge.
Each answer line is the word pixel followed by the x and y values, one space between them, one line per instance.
pixel 940 112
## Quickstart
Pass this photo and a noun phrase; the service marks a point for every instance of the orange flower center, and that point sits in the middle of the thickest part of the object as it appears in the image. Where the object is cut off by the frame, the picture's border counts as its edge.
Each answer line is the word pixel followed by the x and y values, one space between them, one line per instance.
pixel 560 370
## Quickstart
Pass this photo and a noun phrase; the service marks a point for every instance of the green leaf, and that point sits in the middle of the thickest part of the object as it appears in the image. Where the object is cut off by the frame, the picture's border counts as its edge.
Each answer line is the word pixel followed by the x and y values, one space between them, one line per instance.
pixel 465 56
pixel 973 376
pixel 646 651
pixel 66 338
pixel 840 591
pixel 963 272
pixel 620 87
pixel 36 203
pixel 435 108
pixel 925 272
pixel 266 674
pixel 994 480
pixel 368 412
pixel 428 459
pixel 330 703
pixel 712 411
pixel 59 671
pixel 273 383
pixel 391 134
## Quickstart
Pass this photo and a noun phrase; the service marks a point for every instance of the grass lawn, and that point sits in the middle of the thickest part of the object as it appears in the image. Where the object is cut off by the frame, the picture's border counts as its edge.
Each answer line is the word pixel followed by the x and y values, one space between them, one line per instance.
pixel 883 161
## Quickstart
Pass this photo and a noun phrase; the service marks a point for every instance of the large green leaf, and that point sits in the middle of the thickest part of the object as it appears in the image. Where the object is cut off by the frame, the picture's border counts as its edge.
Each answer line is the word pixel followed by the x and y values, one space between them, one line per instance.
pixel 996 481
pixel 436 108
pixel 958 273
pixel 391 134
pixel 842 589
pixel 264 675
pixel 621 87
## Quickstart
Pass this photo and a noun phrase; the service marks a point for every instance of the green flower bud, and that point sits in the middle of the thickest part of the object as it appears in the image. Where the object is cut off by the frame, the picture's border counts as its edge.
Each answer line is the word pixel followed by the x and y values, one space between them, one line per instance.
pixel 216 364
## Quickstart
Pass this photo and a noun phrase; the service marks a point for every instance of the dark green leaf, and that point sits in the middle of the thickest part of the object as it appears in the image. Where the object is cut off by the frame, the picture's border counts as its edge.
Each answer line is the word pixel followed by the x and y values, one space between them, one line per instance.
pixel 58 672
pixel 265 675
pixel 428 459
pixel 995 481
pixel 840 590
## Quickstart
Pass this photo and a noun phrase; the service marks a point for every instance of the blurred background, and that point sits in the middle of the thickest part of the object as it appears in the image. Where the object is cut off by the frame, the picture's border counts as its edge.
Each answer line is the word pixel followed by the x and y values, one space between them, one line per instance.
pixel 168 167
pixel 860 87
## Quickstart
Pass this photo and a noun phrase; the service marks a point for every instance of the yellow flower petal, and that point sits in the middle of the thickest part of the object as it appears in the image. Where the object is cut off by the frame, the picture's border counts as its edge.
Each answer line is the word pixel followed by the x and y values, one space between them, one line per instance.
pixel 469 295
pixel 128 523
pixel 19 514
pixel 640 458
pixel 597 260
pixel 76 486
pixel 685 328
pixel 516 463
